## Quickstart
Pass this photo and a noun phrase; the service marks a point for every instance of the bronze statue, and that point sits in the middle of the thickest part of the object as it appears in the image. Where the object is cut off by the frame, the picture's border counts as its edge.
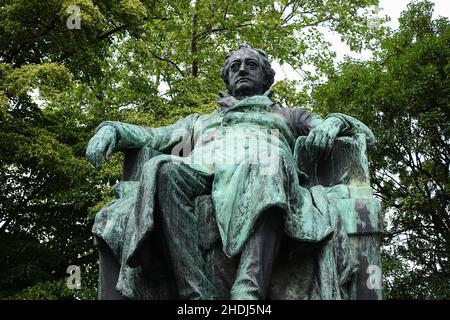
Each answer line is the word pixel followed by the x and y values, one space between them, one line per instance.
pixel 243 155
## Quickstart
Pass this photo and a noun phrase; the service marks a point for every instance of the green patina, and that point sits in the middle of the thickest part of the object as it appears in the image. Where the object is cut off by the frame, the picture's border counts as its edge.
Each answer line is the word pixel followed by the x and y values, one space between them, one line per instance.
pixel 263 159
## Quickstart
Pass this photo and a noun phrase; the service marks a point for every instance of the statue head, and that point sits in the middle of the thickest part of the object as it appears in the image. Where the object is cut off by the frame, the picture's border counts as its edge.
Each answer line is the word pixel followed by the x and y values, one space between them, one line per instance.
pixel 247 72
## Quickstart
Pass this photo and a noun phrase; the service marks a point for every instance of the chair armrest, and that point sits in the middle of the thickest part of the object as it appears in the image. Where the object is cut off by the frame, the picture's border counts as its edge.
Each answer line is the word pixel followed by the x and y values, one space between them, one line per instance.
pixel 347 163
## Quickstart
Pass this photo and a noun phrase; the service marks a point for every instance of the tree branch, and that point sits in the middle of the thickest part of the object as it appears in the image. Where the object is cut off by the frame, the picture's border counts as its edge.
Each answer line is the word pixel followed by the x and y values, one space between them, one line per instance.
pixel 390 235
pixel 168 61
pixel 106 34
pixel 206 33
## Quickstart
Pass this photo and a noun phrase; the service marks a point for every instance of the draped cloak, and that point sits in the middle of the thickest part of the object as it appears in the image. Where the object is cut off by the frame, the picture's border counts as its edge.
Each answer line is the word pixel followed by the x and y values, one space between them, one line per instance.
pixel 247 147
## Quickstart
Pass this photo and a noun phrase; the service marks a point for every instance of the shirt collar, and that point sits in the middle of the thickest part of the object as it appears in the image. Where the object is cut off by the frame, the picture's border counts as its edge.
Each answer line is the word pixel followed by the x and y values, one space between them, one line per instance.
pixel 228 102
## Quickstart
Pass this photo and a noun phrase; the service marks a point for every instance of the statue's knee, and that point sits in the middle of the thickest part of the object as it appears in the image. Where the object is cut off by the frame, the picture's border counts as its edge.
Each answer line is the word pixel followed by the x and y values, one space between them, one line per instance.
pixel 168 170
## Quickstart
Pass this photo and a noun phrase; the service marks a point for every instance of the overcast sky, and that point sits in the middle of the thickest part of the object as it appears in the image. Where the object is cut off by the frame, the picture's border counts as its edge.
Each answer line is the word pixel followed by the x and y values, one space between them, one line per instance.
pixel 391 8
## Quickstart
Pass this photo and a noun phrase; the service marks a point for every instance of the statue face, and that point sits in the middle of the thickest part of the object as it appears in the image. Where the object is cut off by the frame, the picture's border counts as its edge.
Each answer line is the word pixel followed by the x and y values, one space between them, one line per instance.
pixel 245 76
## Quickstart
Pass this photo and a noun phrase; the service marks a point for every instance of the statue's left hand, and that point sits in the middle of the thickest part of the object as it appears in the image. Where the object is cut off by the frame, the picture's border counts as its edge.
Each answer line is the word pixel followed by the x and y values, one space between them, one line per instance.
pixel 321 138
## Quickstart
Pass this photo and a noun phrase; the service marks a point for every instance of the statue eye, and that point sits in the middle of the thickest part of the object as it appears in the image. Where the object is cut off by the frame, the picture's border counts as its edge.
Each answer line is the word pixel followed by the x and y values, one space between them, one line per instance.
pixel 234 67
pixel 252 64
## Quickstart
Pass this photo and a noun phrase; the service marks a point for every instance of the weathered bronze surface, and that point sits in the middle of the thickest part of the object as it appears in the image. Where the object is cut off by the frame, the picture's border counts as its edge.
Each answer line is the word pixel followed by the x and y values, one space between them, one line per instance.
pixel 265 201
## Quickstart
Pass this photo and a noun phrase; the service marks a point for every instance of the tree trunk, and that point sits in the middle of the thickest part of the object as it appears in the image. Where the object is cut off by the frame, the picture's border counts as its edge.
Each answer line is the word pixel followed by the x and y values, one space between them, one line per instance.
pixel 194 70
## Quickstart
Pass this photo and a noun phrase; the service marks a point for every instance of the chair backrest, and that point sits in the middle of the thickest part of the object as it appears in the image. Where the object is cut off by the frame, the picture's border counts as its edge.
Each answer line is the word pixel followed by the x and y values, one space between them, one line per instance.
pixel 346 164
pixel 134 160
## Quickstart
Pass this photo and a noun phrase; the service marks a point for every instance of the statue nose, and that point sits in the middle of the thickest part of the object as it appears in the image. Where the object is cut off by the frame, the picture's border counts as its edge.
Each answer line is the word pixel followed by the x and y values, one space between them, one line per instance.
pixel 243 71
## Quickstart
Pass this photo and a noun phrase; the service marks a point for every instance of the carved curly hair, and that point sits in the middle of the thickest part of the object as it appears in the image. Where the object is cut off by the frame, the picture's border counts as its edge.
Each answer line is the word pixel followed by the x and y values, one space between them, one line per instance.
pixel 269 73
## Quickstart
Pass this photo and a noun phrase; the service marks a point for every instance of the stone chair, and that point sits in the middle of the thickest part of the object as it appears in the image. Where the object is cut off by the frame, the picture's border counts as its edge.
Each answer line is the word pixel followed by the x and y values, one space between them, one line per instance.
pixel 295 272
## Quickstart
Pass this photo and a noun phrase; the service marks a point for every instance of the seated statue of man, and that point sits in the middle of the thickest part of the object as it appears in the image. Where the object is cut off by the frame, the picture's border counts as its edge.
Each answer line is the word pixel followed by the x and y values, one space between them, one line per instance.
pixel 242 155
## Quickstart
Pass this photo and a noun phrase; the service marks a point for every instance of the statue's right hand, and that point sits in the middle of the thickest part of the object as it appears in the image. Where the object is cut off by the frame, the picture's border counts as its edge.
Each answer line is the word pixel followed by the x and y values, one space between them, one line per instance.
pixel 101 145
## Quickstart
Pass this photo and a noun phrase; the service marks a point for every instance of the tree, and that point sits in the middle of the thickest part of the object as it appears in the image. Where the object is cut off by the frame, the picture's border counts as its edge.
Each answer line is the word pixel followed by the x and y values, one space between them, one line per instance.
pixel 403 95
pixel 140 61
pixel 46 185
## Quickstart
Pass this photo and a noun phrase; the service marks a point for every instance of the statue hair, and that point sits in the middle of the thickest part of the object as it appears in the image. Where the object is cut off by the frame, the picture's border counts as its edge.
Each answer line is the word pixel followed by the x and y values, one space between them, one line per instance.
pixel 269 73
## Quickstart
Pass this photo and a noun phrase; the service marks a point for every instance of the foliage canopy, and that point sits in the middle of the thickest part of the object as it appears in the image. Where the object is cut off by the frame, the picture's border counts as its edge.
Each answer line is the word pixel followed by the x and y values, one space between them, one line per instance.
pixel 152 62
